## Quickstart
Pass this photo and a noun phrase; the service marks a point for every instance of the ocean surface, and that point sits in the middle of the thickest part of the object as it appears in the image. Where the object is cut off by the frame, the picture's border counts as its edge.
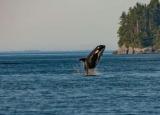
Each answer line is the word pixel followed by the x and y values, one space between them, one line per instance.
pixel 53 83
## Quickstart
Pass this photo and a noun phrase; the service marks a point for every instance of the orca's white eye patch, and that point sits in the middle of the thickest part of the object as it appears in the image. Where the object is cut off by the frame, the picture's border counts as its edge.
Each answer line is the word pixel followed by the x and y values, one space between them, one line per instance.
pixel 96 51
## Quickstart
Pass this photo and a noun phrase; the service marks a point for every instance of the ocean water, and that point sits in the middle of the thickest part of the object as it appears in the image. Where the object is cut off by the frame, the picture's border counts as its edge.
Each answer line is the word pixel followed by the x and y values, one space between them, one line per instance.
pixel 54 84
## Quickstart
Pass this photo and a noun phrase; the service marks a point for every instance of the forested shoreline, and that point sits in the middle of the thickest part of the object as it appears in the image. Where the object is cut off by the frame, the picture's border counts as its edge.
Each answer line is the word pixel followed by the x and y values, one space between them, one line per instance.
pixel 139 30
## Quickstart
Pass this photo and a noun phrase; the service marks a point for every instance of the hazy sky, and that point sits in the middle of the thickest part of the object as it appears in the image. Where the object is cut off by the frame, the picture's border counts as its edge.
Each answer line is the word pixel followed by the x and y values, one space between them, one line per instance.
pixel 60 24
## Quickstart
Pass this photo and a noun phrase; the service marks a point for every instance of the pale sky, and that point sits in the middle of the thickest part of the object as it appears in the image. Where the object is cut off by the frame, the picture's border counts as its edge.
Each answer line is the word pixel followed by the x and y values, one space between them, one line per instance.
pixel 60 24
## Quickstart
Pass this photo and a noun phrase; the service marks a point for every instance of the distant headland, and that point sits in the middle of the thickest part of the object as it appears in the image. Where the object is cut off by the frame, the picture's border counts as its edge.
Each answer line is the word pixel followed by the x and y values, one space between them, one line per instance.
pixel 139 30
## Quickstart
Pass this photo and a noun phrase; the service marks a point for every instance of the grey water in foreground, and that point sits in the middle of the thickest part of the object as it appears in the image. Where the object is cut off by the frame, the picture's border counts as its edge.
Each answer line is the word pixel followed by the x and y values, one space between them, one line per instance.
pixel 54 84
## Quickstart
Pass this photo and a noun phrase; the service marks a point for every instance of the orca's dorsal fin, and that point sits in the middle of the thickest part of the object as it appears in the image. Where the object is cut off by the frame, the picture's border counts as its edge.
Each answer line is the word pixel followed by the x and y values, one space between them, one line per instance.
pixel 82 59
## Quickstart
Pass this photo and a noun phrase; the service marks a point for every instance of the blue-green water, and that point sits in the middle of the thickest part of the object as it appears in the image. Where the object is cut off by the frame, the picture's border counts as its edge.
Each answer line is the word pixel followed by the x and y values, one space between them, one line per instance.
pixel 54 84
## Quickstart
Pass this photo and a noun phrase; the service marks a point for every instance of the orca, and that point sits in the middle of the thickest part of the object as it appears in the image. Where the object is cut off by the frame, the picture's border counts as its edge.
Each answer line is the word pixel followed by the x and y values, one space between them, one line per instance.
pixel 92 60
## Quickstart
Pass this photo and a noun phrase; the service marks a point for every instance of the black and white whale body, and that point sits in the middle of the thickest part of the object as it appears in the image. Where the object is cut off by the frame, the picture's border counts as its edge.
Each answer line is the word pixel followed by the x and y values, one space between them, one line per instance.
pixel 92 59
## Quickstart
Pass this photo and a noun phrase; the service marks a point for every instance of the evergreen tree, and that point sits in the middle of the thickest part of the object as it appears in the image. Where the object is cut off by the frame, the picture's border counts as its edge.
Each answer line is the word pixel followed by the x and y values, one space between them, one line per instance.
pixel 139 27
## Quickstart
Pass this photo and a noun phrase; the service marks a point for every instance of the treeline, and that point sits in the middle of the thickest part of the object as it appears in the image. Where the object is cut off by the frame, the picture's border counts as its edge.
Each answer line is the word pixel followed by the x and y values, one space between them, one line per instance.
pixel 140 27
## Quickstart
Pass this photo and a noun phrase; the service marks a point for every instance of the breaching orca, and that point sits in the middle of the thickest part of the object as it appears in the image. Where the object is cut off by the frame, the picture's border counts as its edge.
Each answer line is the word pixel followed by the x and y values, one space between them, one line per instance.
pixel 92 59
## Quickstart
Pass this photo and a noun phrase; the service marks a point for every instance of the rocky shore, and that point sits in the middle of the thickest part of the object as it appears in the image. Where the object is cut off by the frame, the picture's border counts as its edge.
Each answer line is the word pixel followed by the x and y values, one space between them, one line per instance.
pixel 148 50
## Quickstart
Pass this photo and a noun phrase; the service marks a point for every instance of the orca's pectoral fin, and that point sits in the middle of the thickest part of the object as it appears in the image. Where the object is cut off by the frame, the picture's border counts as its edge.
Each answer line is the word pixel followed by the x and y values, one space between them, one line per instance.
pixel 82 59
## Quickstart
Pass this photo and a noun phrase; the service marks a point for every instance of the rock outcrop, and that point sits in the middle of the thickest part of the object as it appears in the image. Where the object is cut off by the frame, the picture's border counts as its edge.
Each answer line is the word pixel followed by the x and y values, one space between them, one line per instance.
pixel 130 50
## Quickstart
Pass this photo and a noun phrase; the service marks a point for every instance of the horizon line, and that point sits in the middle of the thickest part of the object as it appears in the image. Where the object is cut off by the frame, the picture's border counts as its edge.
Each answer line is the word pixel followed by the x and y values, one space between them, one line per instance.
pixel 43 51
